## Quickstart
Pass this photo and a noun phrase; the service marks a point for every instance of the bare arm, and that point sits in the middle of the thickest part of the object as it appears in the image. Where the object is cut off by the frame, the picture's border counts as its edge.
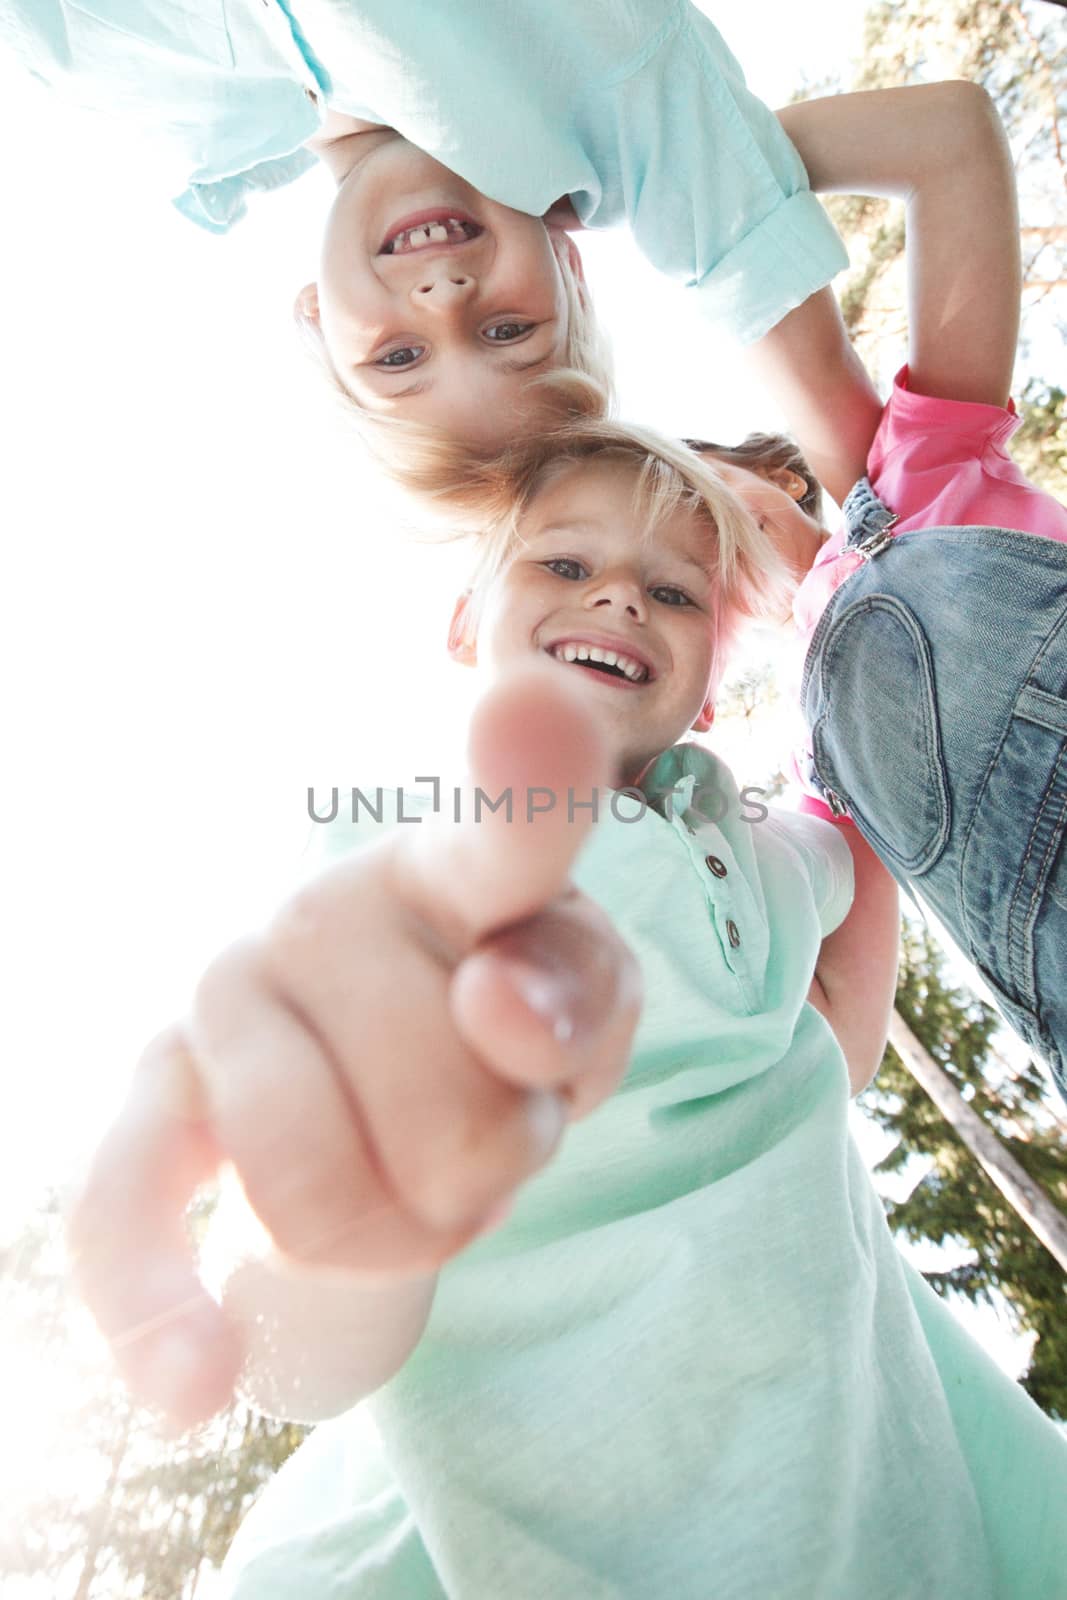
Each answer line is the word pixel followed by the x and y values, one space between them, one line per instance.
pixel 808 364
pixel 942 150
pixel 856 973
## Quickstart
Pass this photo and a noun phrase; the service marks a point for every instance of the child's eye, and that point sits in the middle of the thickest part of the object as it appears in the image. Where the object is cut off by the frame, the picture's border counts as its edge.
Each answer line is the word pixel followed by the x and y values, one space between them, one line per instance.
pixel 404 356
pixel 507 332
pixel 668 595
pixel 565 567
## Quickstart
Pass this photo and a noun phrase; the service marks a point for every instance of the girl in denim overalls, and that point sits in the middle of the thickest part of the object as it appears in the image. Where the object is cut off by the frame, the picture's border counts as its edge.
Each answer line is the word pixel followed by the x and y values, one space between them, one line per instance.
pixel 935 623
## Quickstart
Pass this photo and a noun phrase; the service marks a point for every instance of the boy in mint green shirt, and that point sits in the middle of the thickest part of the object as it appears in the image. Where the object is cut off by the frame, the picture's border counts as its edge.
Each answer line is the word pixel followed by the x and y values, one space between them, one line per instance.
pixel 624 1302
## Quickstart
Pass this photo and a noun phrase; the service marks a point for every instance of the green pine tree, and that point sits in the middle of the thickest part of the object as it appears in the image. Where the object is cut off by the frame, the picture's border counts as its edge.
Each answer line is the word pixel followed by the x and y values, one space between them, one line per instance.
pixel 116 1507
pixel 956 1203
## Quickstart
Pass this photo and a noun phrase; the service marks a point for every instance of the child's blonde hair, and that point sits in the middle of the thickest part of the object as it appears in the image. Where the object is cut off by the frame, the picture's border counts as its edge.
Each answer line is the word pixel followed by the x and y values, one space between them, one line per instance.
pixel 750 578
pixel 431 465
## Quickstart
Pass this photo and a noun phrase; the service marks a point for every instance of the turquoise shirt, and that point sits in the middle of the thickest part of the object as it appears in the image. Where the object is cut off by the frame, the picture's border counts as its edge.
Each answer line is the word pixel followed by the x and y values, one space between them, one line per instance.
pixel 634 108
pixel 692 1362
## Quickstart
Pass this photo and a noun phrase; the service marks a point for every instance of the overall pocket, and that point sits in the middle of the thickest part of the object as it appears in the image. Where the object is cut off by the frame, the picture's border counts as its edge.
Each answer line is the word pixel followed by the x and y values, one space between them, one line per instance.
pixel 877 739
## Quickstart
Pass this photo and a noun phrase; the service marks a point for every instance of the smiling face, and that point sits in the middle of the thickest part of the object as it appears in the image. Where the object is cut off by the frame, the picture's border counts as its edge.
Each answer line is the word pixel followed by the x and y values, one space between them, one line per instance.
pixel 436 304
pixel 628 611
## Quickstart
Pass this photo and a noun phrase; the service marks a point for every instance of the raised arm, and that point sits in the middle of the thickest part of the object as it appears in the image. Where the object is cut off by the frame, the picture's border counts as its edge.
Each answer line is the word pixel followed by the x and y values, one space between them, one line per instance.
pixel 942 150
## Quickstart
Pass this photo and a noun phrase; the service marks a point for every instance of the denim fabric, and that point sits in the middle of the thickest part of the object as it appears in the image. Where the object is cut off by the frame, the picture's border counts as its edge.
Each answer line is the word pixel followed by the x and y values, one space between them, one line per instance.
pixel 935 688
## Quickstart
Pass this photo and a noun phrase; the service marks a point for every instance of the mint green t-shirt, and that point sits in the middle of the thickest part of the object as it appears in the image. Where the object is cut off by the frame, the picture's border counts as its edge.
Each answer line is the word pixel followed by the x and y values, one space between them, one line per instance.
pixel 635 109
pixel 691 1365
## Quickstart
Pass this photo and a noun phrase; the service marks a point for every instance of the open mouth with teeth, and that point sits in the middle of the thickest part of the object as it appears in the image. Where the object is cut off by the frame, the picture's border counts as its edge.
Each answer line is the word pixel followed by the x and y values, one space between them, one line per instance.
pixel 608 663
pixel 437 231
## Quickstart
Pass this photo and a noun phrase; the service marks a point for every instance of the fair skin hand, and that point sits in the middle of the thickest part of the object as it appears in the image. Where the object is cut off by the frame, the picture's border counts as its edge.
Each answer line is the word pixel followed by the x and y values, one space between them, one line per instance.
pixel 941 149
pixel 586 571
pixel 435 304
pixel 504 1005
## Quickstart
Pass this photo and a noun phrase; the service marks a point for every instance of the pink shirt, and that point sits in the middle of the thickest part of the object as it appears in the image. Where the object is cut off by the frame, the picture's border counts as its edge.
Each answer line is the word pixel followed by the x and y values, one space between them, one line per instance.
pixel 937 464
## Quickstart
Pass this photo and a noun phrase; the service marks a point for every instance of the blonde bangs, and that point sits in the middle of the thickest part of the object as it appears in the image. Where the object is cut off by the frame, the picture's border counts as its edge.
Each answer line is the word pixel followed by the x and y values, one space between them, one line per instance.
pixel 750 577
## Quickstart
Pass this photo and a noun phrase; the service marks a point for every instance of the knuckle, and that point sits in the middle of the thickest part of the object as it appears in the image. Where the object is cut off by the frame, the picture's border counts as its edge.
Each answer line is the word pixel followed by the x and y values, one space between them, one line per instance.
pixel 169 1041
pixel 324 913
pixel 298 930
pixel 167 1072
pixel 443 1194
pixel 305 1202
pixel 231 971
pixel 480 1156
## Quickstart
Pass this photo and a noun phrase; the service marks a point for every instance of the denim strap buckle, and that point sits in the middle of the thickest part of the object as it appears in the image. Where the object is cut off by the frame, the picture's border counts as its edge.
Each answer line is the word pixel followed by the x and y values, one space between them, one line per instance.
pixel 868 521
pixel 876 542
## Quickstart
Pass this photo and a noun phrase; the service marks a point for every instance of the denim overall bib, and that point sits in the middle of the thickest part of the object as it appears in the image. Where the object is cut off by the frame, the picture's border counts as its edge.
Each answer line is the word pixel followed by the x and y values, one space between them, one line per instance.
pixel 935 688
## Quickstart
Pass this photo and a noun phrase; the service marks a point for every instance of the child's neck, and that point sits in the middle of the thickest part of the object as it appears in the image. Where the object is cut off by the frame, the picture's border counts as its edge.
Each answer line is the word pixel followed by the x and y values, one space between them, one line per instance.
pixel 343 141
pixel 640 774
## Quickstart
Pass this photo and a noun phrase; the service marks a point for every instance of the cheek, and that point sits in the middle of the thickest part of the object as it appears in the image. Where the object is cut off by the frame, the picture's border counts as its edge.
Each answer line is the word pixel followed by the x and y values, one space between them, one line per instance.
pixel 533 274
pixel 694 643
pixel 508 619
pixel 345 346
pixel 353 305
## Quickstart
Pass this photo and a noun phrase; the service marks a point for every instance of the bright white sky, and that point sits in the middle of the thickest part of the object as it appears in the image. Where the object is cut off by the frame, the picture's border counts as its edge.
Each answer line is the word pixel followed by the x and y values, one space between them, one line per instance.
pixel 206 602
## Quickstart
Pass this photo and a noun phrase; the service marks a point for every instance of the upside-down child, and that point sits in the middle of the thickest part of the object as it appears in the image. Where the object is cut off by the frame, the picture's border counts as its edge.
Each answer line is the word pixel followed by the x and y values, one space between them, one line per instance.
pixel 689 1351
pixel 464 140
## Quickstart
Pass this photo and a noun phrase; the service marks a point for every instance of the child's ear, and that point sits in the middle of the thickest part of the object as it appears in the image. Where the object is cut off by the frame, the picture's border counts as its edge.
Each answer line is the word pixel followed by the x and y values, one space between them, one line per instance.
pixel 461 639
pixel 568 255
pixel 306 307
pixel 706 717
pixel 792 482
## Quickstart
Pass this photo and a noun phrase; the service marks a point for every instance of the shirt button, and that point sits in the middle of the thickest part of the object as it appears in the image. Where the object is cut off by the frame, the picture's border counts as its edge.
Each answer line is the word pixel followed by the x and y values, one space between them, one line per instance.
pixel 733 933
pixel 716 866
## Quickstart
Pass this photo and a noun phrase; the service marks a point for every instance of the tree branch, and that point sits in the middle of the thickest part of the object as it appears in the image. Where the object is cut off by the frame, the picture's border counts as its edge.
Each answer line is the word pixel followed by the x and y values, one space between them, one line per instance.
pixel 1045 1220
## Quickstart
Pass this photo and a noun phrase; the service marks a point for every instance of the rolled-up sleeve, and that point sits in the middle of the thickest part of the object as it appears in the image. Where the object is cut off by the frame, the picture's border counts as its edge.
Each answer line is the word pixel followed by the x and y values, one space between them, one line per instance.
pixel 716 195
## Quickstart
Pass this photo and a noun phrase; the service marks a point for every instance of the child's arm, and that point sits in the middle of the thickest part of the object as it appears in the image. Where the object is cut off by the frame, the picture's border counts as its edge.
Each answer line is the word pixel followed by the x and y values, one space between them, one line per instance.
pixel 384 1066
pixel 856 971
pixel 941 148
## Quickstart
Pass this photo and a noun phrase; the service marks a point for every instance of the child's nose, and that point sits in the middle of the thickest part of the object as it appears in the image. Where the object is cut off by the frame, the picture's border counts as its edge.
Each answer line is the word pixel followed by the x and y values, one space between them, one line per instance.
pixel 617 592
pixel 443 290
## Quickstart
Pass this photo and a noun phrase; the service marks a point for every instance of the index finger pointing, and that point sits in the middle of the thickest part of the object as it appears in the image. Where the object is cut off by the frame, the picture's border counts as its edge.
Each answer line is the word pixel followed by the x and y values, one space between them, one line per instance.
pixel 537 758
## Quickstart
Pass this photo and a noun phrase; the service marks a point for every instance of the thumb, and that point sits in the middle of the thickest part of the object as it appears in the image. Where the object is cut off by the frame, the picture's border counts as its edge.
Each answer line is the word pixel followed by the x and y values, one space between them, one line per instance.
pixel 537 757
